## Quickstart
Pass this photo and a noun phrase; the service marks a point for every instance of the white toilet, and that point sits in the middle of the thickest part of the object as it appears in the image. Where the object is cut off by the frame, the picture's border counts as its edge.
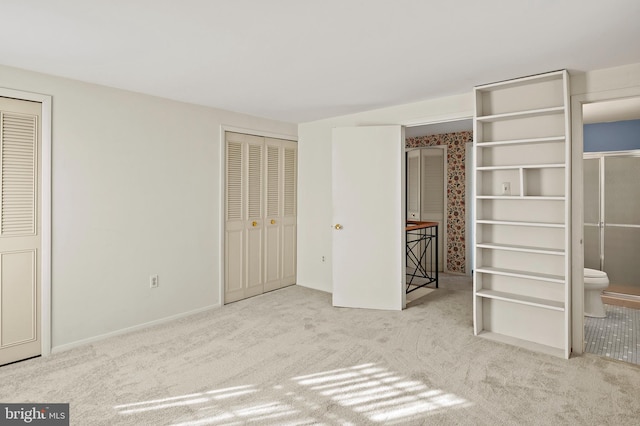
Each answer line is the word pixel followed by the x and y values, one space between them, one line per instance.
pixel 594 282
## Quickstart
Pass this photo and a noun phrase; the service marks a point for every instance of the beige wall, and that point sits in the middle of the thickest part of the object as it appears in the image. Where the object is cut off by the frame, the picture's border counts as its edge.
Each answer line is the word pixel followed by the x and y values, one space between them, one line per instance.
pixel 314 176
pixel 314 209
pixel 135 191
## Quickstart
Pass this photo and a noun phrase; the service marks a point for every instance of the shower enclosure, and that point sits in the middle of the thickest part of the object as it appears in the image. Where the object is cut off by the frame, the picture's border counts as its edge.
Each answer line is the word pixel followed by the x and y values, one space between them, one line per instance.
pixel 612 218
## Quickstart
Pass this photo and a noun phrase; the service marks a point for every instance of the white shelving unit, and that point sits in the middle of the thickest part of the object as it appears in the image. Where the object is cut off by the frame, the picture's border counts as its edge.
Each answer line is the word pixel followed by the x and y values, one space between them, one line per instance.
pixel 522 213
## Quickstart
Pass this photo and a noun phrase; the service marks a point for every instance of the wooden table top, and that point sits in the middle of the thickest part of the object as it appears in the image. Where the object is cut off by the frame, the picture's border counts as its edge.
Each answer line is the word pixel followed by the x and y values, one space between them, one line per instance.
pixel 412 225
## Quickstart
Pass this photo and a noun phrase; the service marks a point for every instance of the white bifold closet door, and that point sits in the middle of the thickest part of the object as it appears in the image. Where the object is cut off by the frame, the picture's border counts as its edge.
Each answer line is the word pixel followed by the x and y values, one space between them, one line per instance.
pixel 20 238
pixel 426 192
pixel 413 184
pixel 280 219
pixel 260 223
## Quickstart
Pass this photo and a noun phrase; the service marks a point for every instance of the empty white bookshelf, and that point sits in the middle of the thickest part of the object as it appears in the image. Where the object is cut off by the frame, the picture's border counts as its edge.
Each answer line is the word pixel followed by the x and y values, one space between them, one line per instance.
pixel 522 213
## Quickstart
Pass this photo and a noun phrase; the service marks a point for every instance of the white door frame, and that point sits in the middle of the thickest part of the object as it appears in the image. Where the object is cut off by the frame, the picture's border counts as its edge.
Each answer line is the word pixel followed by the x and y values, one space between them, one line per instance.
pixel 222 190
pixel 45 205
pixel 577 200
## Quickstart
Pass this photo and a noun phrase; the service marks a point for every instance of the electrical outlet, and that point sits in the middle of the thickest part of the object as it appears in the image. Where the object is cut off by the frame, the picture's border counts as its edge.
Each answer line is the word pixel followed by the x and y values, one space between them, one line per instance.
pixel 322 259
pixel 153 281
pixel 506 188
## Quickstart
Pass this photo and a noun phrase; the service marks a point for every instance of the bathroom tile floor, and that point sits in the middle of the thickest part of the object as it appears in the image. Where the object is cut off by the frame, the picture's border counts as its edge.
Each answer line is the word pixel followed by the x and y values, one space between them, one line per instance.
pixel 617 336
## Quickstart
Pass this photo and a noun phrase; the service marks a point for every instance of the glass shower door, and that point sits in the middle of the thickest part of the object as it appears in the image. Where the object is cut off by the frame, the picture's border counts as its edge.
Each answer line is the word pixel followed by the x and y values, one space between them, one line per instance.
pixel 592 241
pixel 621 232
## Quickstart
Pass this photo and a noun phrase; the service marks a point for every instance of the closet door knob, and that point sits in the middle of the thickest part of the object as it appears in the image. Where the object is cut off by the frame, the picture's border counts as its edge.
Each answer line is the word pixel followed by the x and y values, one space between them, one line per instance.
pixel 337 227
pixel 273 221
pixel 254 223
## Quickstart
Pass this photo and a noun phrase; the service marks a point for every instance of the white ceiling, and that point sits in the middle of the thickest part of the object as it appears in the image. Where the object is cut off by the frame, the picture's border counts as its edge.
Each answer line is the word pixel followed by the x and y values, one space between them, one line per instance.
pixel 303 60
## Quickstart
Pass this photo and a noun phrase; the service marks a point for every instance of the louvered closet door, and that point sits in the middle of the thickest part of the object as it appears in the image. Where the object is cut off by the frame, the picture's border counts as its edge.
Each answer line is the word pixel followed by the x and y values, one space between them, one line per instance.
pixel 244 211
pixel 273 222
pixel 280 219
pixel 255 222
pixel 413 184
pixel 19 234
pixel 260 233
pixel 289 212
pixel 234 223
pixel 432 187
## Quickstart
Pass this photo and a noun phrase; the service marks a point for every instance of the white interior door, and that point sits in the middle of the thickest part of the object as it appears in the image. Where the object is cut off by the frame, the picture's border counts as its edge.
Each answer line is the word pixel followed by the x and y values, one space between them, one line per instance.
pixel 20 238
pixel 368 197
pixel 433 195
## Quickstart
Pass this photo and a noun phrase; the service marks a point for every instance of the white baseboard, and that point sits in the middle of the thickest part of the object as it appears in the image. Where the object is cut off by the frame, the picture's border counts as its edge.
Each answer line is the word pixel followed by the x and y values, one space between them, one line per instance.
pixel 67 346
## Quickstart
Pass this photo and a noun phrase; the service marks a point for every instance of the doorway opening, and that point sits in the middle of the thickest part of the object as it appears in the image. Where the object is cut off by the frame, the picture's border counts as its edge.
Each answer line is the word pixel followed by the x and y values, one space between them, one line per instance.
pixel 441 194
pixel 611 169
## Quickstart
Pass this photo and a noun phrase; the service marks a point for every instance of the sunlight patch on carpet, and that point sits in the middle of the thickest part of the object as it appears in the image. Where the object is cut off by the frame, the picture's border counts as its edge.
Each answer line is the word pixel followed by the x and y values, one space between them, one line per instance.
pixel 365 393
pixel 379 394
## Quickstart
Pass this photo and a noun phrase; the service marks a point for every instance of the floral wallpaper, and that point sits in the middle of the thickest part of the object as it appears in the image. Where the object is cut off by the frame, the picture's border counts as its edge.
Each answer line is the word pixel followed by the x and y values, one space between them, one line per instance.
pixel 455 143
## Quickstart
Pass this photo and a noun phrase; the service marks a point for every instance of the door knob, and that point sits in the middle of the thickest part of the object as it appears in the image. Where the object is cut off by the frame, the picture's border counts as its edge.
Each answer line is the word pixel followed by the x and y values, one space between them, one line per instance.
pixel 273 221
pixel 337 227
pixel 254 223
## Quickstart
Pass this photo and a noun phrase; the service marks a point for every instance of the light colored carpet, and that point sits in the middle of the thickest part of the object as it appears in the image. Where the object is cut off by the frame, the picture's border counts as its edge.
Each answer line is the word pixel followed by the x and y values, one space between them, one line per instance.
pixel 289 357
pixel 417 294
